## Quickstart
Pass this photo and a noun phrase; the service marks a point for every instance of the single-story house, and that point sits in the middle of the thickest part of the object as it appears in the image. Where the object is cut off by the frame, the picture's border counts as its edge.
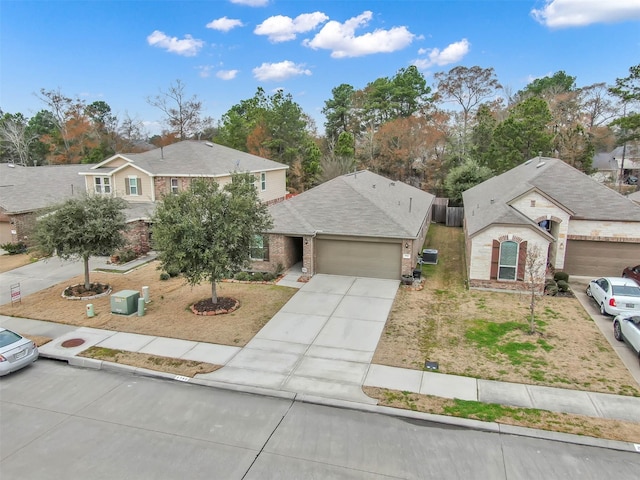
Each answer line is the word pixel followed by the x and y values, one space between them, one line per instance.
pixel 581 226
pixel 359 224
pixel 142 179
pixel 623 160
pixel 25 191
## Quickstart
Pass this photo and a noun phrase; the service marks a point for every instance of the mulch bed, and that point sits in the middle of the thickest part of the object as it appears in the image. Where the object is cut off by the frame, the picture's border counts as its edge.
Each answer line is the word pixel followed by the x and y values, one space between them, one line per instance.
pixel 222 306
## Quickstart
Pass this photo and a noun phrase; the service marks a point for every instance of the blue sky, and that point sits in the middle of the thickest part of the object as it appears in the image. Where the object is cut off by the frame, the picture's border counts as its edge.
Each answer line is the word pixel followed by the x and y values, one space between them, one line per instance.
pixel 122 52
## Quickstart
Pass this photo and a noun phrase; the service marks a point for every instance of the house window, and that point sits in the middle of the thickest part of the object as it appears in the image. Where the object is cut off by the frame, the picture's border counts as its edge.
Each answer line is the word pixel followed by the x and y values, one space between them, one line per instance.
pixel 102 184
pixel 508 262
pixel 263 181
pixel 132 186
pixel 174 185
pixel 259 248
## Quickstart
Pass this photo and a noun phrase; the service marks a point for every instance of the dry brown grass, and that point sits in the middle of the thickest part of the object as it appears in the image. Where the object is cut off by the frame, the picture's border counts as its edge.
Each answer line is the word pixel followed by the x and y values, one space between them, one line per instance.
pixel 522 417
pixel 168 314
pixel 453 326
pixel 9 262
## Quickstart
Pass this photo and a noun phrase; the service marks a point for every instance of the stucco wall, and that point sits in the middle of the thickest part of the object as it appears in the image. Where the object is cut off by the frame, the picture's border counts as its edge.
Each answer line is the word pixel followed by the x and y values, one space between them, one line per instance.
pixel 596 230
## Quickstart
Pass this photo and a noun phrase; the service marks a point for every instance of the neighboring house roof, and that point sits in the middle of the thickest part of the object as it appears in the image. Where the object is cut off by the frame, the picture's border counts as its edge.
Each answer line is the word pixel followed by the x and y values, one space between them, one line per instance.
pixel 612 161
pixel 604 161
pixel 359 204
pixel 140 211
pixel 27 189
pixel 191 158
pixel 580 195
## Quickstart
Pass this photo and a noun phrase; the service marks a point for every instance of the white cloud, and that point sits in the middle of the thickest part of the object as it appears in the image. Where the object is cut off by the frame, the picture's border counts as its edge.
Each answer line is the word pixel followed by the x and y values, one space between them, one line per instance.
pixel 205 70
pixel 188 46
pixel 280 28
pixel 341 39
pixel 251 3
pixel 227 74
pixel 578 13
pixel 450 54
pixel 279 71
pixel 224 24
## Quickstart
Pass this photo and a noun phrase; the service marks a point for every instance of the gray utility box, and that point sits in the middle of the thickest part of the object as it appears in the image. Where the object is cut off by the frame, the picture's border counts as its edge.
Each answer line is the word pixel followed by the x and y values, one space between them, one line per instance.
pixel 125 302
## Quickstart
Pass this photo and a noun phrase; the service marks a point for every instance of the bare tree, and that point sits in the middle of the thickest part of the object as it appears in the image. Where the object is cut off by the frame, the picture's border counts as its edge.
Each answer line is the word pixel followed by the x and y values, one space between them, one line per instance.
pixel 468 87
pixel 182 113
pixel 535 265
pixel 14 131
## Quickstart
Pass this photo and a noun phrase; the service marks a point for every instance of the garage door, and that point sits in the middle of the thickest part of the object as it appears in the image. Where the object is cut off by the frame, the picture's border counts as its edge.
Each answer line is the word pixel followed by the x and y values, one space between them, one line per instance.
pixel 357 258
pixel 5 233
pixel 600 258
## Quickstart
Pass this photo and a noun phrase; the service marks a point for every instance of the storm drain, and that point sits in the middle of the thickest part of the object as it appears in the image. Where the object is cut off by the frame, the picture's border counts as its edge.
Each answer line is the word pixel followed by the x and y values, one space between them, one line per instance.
pixel 72 342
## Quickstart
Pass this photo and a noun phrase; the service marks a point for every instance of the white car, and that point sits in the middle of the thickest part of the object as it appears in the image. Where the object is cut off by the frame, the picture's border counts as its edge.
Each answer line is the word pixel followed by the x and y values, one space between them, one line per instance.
pixel 626 328
pixel 615 295
pixel 15 351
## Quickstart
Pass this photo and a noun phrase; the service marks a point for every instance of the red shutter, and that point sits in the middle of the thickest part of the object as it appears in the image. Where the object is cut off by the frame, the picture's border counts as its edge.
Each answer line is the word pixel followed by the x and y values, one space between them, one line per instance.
pixel 495 257
pixel 522 260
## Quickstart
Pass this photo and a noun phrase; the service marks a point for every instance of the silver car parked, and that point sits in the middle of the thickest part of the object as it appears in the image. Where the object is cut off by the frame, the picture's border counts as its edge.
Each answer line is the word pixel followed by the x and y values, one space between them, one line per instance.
pixel 615 295
pixel 15 351
pixel 626 328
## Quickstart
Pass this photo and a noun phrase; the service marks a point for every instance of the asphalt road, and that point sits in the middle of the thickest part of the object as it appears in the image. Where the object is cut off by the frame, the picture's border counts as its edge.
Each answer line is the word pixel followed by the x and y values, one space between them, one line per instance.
pixel 57 421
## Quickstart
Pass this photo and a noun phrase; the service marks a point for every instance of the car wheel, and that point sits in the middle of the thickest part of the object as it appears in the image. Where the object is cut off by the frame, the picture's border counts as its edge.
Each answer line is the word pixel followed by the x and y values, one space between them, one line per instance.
pixel 617 331
pixel 589 294
pixel 602 310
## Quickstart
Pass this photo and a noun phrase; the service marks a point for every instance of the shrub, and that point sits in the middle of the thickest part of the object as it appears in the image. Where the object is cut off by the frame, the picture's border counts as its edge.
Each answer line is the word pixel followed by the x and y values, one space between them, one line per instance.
pixel 551 289
pixel 14 248
pixel 126 256
pixel 164 276
pixel 563 286
pixel 279 270
pixel 257 277
pixel 549 282
pixel 268 276
pixel 242 276
pixel 564 276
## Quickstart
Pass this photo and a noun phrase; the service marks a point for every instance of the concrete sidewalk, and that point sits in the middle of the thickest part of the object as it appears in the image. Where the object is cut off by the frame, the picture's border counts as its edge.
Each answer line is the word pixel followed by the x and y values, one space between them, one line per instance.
pixel 591 404
pixel 321 344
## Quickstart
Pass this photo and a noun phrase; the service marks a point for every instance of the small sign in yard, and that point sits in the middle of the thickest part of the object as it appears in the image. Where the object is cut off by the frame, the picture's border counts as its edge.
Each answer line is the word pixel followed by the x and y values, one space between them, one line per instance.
pixel 15 293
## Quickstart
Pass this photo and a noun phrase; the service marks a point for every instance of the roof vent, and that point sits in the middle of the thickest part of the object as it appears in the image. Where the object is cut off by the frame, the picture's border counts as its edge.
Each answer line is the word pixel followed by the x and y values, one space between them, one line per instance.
pixel 540 164
pixel 373 186
pixel 391 184
pixel 208 144
pixel 527 162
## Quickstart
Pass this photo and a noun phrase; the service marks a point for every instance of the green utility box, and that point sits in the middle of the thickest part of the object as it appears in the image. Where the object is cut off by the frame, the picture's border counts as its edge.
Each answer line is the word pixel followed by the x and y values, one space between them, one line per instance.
pixel 125 302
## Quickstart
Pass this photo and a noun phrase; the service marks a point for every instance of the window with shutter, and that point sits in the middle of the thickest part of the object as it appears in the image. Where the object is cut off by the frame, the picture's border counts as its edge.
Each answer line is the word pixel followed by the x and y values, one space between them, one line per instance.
pixel 508 261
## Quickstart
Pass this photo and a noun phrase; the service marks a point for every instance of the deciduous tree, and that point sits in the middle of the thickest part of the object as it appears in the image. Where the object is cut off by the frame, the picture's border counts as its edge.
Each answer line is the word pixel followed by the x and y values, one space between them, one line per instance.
pixel 83 227
pixel 207 231
pixel 182 113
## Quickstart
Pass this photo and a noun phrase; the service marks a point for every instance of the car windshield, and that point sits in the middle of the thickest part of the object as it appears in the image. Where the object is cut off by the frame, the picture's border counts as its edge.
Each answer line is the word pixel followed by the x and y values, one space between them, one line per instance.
pixel 7 338
pixel 626 290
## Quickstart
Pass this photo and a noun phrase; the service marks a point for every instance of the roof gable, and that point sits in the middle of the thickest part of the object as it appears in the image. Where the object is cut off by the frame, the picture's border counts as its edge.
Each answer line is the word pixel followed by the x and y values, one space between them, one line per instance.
pixel 566 186
pixel 358 204
pixel 195 158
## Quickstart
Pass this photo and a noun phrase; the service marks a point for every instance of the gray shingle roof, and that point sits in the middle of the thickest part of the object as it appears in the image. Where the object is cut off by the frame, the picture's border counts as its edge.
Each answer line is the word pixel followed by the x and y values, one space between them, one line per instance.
pixel 192 157
pixel 359 204
pixel 25 189
pixel 582 196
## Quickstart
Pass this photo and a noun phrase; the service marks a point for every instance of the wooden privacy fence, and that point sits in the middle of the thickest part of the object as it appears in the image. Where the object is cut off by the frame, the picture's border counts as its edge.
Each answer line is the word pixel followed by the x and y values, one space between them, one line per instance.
pixel 441 212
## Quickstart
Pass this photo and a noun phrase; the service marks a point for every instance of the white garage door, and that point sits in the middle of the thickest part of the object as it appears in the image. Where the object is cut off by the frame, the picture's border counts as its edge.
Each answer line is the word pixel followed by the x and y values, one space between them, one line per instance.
pixel 358 258
pixel 598 259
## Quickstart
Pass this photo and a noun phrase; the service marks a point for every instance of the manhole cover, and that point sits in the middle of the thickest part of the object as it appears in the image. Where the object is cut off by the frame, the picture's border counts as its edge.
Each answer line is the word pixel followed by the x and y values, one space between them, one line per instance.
pixel 73 342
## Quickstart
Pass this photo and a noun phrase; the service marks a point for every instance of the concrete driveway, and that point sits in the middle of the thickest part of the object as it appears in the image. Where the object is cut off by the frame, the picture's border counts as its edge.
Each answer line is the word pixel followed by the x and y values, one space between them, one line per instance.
pixel 605 325
pixel 320 343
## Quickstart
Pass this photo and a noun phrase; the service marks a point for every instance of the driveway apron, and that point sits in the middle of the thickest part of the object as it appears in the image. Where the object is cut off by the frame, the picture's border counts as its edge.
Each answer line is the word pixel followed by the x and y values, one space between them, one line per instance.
pixel 320 343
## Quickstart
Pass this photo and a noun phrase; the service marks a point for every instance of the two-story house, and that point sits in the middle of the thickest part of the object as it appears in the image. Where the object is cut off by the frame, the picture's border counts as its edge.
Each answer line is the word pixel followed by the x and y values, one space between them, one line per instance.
pixel 142 179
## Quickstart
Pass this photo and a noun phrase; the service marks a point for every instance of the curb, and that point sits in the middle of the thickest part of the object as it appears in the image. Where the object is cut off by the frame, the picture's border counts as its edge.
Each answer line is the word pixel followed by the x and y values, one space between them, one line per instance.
pixel 478 425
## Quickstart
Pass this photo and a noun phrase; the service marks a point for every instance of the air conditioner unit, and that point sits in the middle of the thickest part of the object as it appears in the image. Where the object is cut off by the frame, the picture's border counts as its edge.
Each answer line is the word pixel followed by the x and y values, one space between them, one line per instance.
pixel 430 256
